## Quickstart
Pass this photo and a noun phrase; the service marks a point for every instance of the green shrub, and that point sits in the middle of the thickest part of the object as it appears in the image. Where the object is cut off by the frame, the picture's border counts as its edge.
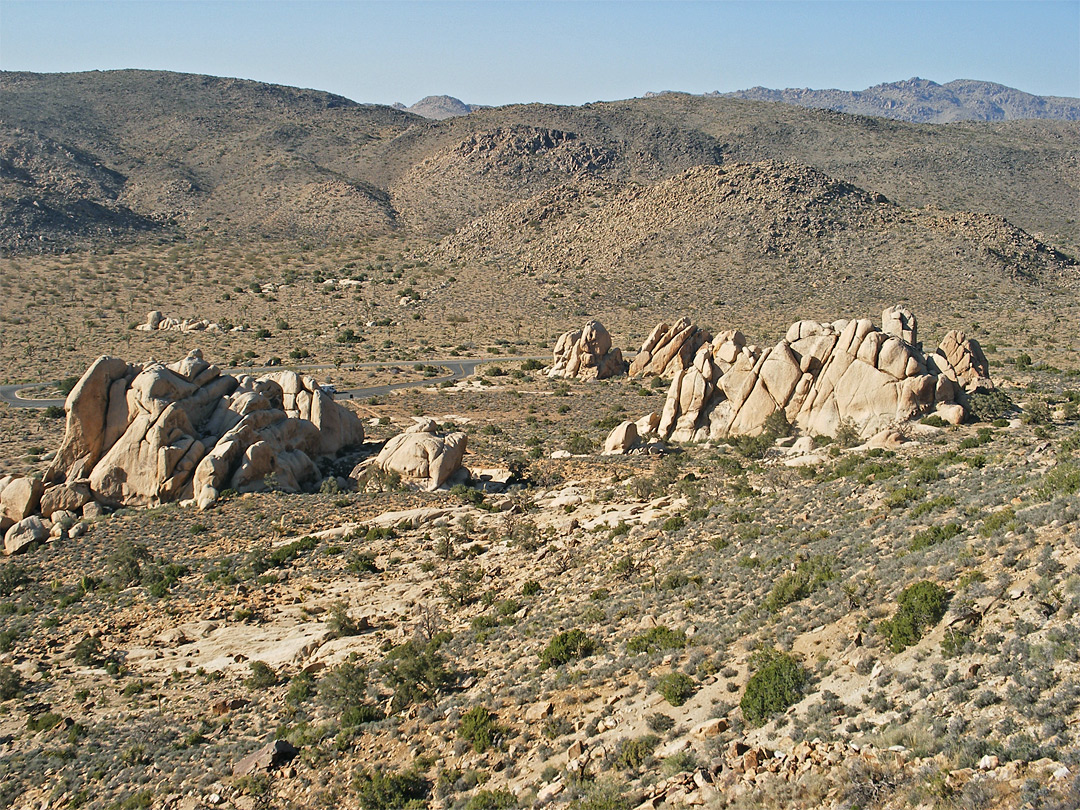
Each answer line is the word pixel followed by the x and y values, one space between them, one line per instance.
pixel 777 683
pixel 934 535
pixel 11 577
pixel 809 575
pixel 919 606
pixel 1062 479
pixel 989 406
pixel 10 682
pixel 633 754
pixel 655 639
pixel 491 800
pixel 565 647
pixel 416 671
pixel 378 790
pixel 262 676
pixel 480 727
pixel 933 420
pixel 998 520
pixel 676 688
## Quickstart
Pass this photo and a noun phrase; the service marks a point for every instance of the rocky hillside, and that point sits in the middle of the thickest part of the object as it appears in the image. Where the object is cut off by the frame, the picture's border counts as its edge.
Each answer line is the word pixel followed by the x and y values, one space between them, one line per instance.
pixel 185 155
pixel 927 102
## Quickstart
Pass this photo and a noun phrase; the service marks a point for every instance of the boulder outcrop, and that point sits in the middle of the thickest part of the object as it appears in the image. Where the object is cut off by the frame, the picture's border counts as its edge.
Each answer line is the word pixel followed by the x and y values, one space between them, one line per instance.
pixel 421 456
pixel 587 354
pixel 669 349
pixel 140 435
pixel 821 376
pixel 156 322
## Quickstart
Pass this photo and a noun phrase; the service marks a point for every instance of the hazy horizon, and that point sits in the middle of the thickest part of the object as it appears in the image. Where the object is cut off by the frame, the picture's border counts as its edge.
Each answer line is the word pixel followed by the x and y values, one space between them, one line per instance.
pixel 556 52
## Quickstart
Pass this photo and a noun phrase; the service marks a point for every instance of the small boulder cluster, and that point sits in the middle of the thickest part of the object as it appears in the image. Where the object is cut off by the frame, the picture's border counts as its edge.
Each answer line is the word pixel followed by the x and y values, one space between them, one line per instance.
pixel 821 376
pixel 157 322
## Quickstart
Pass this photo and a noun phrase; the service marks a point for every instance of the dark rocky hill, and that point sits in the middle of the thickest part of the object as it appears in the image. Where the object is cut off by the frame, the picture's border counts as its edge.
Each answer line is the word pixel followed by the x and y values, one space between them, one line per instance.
pixel 923 101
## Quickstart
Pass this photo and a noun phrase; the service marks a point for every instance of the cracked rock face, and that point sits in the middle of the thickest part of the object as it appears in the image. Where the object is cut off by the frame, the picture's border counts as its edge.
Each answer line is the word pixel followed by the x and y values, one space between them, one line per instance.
pixel 587 354
pixel 821 376
pixel 141 435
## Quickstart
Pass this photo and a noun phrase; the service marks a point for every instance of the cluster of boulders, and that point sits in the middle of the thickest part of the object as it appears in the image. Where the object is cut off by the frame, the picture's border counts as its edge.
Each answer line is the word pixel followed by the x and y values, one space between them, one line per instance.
pixel 587 354
pixel 821 376
pixel 142 435
pixel 419 455
pixel 157 322
pixel 30 512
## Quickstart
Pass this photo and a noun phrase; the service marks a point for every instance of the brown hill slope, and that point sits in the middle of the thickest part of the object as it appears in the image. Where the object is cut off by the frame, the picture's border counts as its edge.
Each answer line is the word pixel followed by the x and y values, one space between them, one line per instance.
pixel 757 240
pixel 251 160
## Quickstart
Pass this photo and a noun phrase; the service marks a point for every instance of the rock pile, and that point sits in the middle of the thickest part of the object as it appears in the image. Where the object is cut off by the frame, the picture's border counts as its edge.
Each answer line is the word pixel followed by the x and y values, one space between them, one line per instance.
pixel 156 322
pixel 587 354
pixel 669 349
pixel 140 435
pixel 821 376
pixel 420 455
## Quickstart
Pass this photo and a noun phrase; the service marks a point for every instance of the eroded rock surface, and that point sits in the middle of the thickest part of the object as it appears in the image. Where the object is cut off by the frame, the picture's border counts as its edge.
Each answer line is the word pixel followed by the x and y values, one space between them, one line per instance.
pixel 421 456
pixel 821 376
pixel 140 435
pixel 587 354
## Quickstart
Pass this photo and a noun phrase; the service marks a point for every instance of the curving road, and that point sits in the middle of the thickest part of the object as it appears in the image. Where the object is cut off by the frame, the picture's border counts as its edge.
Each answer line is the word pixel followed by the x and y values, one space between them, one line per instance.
pixel 459 369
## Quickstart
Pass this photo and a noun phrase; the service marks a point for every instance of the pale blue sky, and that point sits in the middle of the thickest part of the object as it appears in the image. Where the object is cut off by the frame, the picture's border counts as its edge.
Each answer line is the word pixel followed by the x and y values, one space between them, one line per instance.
pixel 500 52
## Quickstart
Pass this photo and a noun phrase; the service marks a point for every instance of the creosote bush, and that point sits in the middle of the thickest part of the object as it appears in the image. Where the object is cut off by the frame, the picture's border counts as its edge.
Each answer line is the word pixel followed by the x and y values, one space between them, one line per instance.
pixel 655 639
pixel 920 606
pixel 676 688
pixel 480 727
pixel 378 790
pixel 777 683
pixel 566 647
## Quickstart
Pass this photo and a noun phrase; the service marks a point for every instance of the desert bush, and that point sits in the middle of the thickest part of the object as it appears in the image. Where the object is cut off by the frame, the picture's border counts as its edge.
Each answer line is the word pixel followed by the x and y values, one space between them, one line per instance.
pixel 988 406
pixel 416 671
pixel 262 676
pixel 919 606
pixel 809 575
pixel 378 790
pixel 10 682
pixel 934 535
pixel 633 754
pixel 480 727
pixel 11 577
pixel 491 800
pixel 777 683
pixel 676 688
pixel 565 647
pixel 655 639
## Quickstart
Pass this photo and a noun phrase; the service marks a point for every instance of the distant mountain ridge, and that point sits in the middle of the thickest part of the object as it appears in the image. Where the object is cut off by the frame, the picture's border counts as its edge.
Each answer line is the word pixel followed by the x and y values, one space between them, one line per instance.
pixel 439 108
pixel 925 102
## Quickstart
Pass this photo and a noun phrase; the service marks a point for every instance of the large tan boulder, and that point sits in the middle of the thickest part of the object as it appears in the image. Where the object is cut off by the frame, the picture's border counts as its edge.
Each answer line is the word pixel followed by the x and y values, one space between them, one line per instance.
pixel 25 533
pixel 587 354
pixel 423 458
pixel 67 497
pixel 143 435
pixel 821 376
pixel 970 369
pixel 900 322
pixel 621 440
pixel 20 498
pixel 93 399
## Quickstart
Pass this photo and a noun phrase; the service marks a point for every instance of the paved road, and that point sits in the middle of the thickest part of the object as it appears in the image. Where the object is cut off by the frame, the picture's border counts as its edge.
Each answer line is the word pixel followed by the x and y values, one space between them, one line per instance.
pixel 459 369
